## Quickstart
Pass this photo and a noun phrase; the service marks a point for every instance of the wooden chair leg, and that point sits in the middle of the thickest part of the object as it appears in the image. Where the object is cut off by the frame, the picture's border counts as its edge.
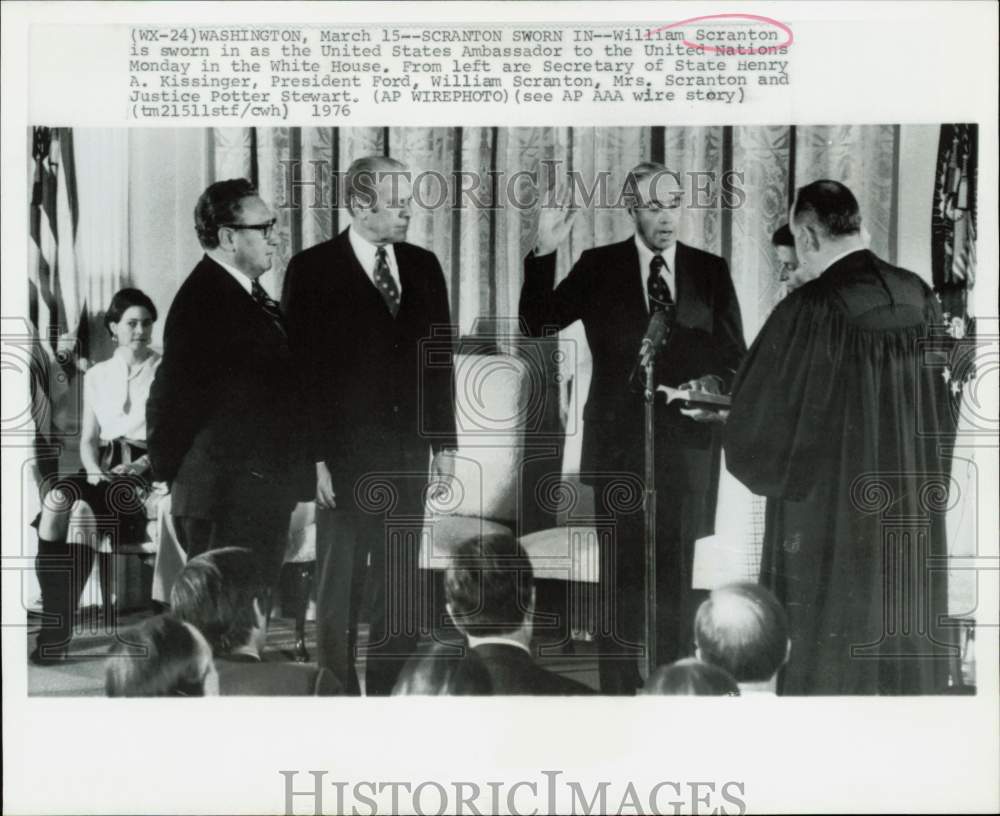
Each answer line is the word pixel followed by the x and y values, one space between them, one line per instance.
pixel 303 588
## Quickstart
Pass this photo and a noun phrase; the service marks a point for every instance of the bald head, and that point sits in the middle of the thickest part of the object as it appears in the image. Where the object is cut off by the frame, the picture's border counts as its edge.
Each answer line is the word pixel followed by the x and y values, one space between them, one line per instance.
pixel 743 629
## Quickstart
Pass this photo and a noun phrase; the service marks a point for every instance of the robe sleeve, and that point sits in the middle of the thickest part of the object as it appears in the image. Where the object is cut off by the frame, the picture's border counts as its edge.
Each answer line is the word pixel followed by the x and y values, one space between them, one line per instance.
pixel 784 399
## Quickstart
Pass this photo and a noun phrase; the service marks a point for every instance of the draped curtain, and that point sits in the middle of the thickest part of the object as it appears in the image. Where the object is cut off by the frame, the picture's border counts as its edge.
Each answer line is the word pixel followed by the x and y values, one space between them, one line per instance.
pixel 738 182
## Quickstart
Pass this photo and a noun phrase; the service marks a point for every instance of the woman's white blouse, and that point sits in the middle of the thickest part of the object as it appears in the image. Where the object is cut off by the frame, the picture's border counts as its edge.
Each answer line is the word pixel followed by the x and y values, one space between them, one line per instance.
pixel 118 397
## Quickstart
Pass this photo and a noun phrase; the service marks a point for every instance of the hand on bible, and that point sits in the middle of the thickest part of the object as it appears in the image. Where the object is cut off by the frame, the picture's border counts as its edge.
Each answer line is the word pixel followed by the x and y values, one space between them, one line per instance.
pixel 554 225
pixel 710 384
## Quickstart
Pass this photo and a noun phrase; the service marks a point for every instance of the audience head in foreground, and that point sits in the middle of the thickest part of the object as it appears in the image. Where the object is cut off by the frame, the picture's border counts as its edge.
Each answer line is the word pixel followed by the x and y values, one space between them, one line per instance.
pixel 161 657
pixel 743 629
pixel 221 592
pixel 691 676
pixel 490 595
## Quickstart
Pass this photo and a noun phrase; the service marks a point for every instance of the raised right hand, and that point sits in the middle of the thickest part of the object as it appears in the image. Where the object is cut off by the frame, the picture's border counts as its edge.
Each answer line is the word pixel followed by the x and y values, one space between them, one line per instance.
pixel 554 225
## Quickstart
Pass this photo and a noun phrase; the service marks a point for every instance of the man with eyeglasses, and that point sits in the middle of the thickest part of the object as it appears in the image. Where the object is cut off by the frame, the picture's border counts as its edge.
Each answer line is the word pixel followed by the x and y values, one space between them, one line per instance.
pixel 615 290
pixel 223 411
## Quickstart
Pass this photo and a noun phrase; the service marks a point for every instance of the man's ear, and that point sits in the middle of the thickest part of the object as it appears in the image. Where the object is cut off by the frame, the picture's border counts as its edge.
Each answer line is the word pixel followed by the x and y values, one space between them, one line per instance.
pixel 812 238
pixel 697 654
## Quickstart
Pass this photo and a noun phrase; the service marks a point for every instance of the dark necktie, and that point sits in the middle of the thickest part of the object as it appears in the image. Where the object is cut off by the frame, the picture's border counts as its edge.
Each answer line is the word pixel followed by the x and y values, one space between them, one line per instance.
pixel 268 304
pixel 385 283
pixel 656 286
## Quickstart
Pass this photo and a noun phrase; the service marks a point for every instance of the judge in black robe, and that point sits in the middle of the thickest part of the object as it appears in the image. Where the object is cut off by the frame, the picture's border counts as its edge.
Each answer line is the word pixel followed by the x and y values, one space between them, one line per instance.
pixel 841 417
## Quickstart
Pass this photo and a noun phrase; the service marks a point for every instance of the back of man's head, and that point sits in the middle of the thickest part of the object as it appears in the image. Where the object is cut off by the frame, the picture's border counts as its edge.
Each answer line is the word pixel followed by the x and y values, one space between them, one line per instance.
pixel 216 592
pixel 829 207
pixel 488 586
pixel 743 629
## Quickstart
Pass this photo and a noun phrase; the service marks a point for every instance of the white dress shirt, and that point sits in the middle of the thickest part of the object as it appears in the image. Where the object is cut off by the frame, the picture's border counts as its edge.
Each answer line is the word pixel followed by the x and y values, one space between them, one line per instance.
pixel 118 396
pixel 669 274
pixel 365 251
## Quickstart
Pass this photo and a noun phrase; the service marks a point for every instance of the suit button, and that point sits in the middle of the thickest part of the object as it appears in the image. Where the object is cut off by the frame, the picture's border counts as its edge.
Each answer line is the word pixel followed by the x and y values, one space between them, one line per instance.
pixel 395 409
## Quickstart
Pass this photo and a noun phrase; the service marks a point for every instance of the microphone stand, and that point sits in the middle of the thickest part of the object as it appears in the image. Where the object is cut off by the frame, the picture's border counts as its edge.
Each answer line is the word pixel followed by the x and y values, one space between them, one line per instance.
pixel 649 513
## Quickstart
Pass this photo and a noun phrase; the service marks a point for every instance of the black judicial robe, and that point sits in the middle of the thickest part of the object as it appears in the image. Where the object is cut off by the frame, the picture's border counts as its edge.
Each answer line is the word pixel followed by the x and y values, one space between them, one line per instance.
pixel 841 416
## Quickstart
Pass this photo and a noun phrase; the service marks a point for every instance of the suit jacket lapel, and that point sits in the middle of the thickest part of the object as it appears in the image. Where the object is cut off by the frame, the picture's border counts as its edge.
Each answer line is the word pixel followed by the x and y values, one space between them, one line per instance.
pixel 632 280
pixel 364 281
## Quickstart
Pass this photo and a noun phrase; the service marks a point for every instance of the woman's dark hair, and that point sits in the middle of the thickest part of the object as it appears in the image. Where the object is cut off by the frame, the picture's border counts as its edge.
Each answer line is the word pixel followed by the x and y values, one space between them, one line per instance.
pixel 161 657
pixel 691 676
pixel 123 300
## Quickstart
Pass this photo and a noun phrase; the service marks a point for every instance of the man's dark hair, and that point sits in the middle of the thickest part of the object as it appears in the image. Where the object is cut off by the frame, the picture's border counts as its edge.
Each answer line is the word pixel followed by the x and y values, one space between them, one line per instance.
pixel 743 629
pixel 488 585
pixel 220 204
pixel 829 205
pixel 783 237
pixel 215 593
pixel 122 301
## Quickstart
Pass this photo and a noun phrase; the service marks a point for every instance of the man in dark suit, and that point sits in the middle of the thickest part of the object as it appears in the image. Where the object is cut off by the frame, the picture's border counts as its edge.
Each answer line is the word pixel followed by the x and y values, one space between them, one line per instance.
pixel 490 595
pixel 369 321
pixel 221 593
pixel 614 290
pixel 223 411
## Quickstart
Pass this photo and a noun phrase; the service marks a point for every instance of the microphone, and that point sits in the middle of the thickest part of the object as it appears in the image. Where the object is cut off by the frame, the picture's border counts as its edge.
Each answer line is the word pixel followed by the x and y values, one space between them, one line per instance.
pixel 660 324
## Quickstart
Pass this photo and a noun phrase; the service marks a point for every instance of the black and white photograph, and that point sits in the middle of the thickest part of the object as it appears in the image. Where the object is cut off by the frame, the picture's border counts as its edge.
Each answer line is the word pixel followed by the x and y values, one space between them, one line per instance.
pixel 695 388
pixel 505 375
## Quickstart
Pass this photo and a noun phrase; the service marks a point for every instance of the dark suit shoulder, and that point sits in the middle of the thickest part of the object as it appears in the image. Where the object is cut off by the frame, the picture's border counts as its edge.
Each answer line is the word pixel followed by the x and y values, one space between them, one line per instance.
pixel 608 253
pixel 270 679
pixel 698 257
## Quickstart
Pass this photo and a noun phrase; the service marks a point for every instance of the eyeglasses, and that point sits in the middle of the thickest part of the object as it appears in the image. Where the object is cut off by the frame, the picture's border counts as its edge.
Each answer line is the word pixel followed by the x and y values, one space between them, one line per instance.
pixel 266 229
pixel 659 206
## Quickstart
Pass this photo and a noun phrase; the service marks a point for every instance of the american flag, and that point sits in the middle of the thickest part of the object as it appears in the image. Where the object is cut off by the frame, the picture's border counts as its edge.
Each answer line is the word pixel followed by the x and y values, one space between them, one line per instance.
pixel 953 220
pixel 55 306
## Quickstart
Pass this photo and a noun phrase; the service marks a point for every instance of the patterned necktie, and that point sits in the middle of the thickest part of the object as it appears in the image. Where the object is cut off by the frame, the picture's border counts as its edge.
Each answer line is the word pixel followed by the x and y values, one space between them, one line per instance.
pixel 656 286
pixel 268 304
pixel 385 283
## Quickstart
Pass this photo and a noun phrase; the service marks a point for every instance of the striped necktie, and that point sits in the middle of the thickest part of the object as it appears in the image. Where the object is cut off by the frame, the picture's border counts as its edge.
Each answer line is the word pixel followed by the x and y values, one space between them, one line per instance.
pixel 268 304
pixel 385 283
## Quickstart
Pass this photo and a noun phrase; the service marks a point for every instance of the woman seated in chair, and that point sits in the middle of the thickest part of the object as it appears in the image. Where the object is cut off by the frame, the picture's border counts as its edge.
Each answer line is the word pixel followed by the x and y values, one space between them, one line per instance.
pixel 112 481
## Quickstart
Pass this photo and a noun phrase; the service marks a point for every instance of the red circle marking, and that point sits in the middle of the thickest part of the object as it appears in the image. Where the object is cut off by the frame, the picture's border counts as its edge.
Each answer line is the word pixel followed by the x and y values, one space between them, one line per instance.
pixel 718 49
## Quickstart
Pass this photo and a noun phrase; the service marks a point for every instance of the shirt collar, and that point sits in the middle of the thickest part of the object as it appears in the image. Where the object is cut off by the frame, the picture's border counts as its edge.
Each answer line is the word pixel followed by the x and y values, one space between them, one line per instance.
pixel 646 255
pixel 365 251
pixel 241 279
pixel 495 640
